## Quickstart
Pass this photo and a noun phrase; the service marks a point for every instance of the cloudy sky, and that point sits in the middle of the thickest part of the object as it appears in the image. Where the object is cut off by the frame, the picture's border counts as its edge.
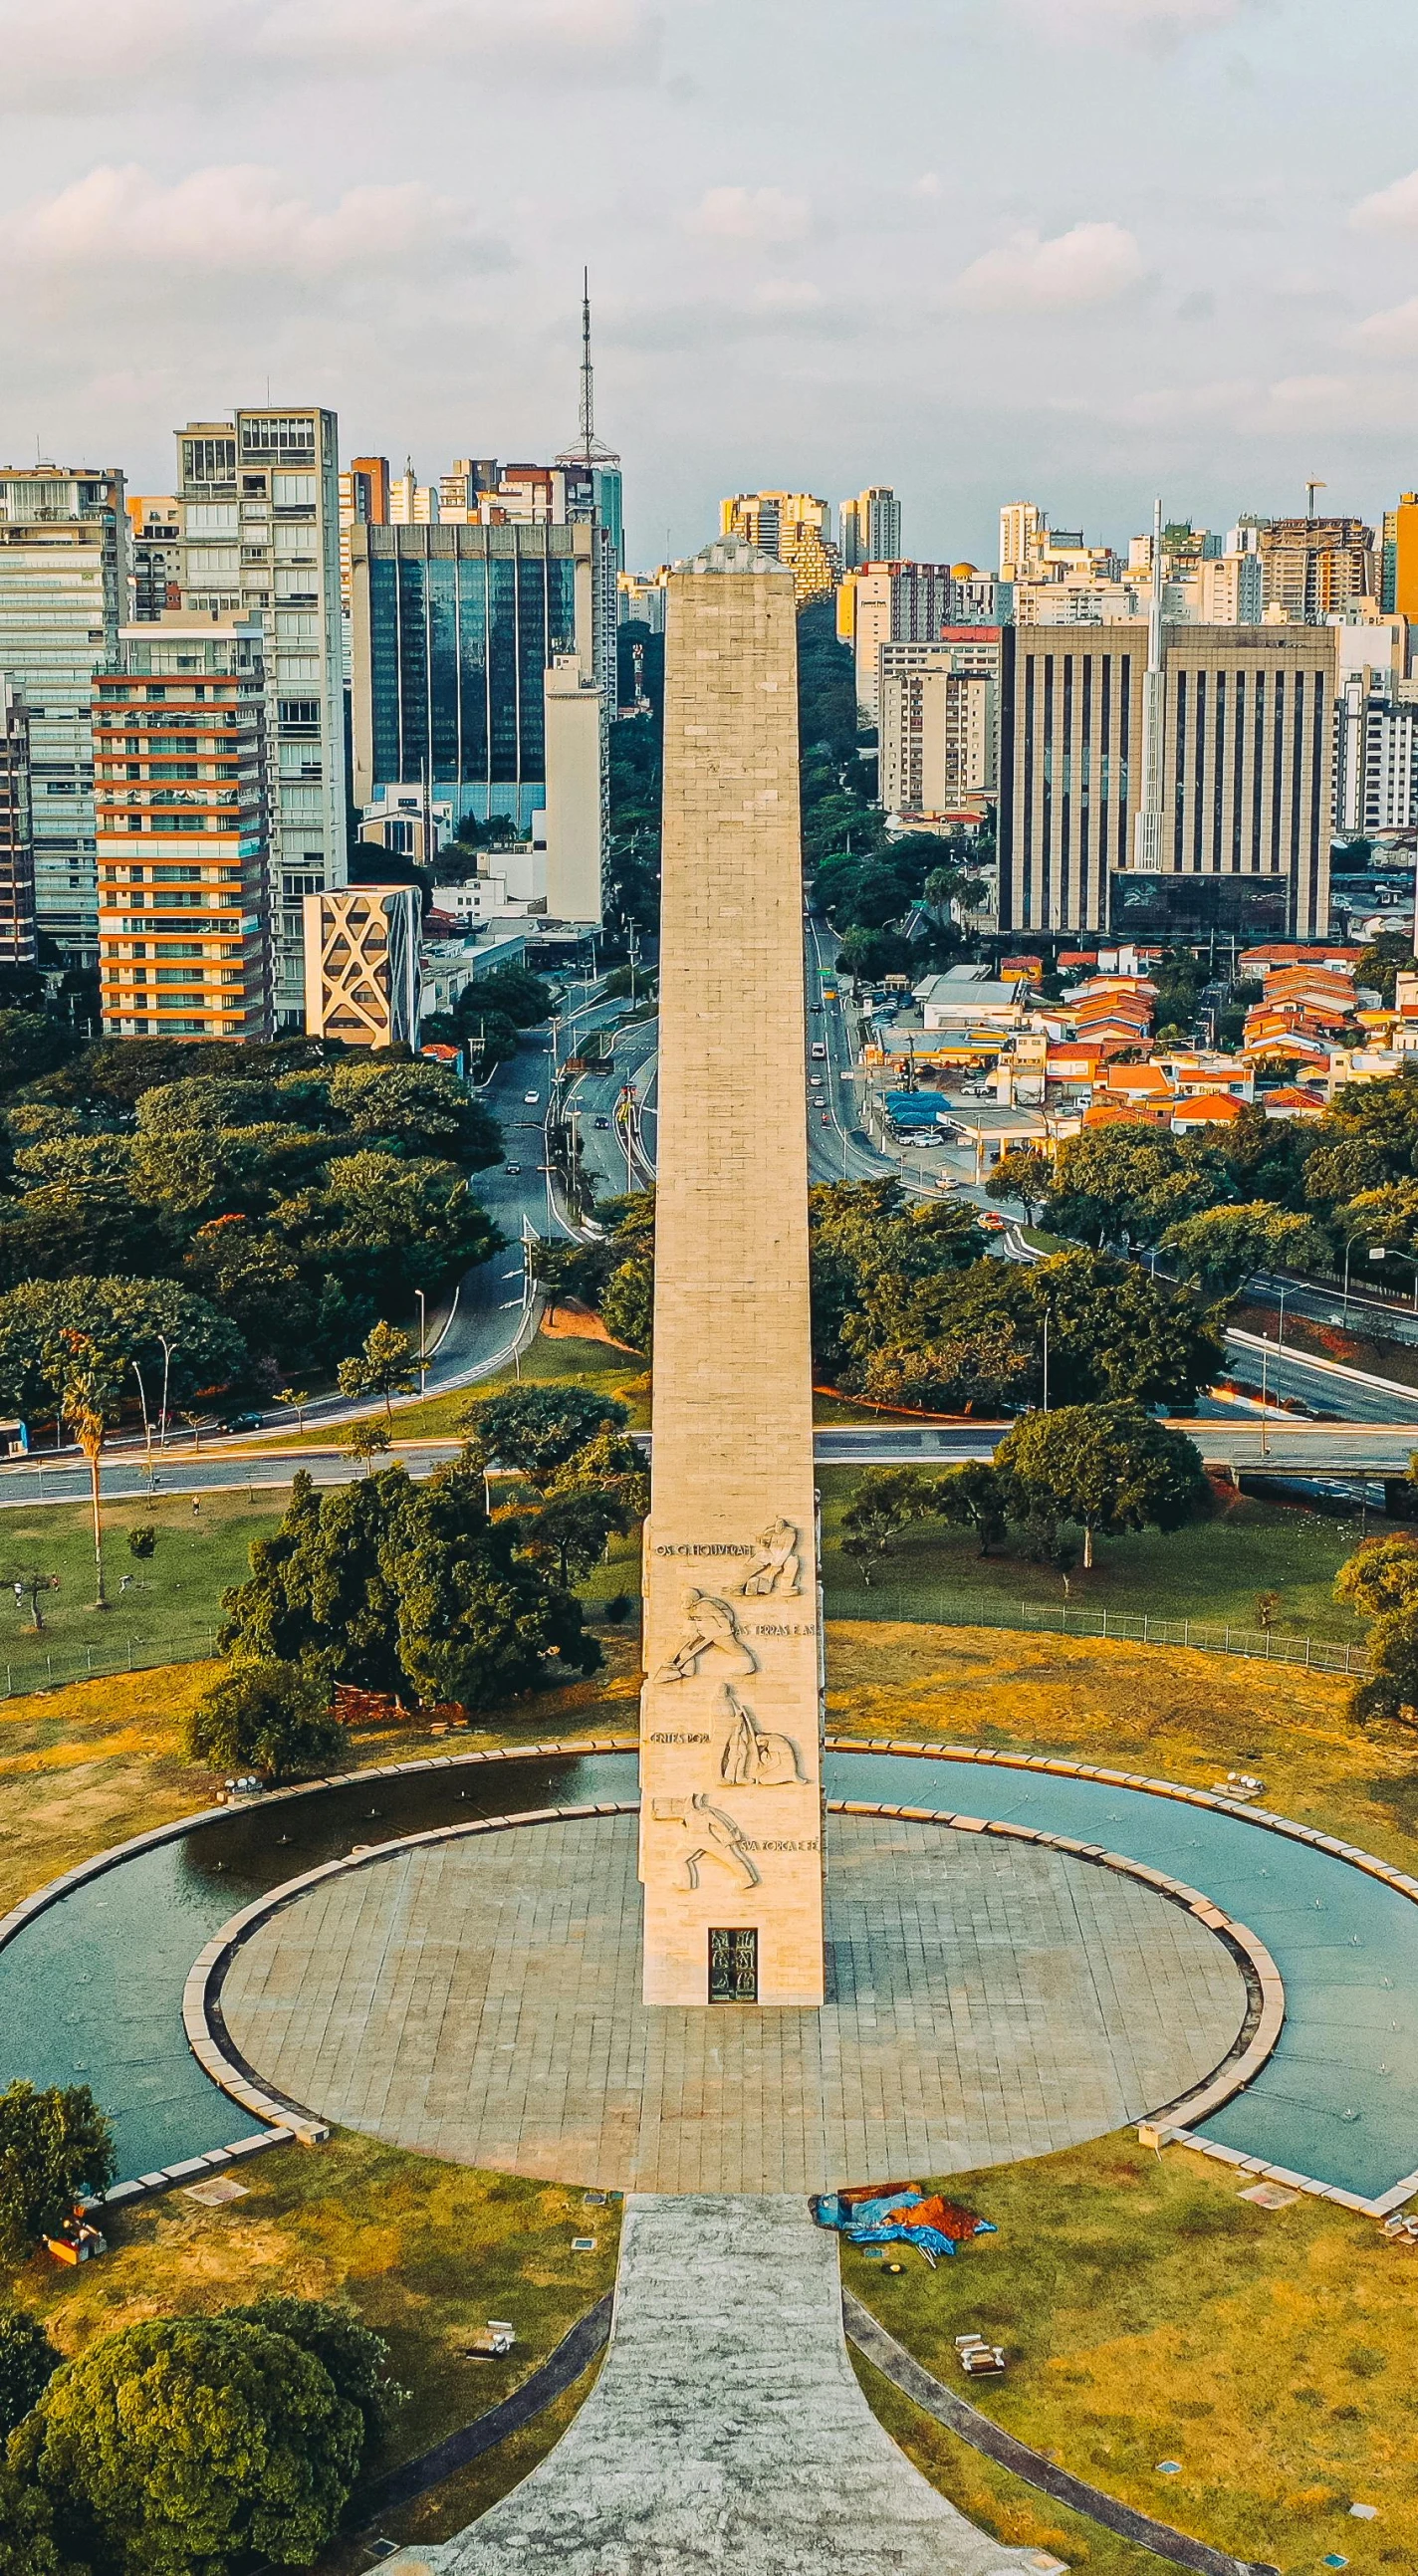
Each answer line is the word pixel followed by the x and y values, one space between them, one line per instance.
pixel 1065 250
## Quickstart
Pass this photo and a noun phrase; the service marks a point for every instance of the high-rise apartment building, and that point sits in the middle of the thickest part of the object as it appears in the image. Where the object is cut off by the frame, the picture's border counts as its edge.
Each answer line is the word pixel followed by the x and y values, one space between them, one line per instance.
pixel 413 504
pixel 1022 528
pixel 940 704
pixel 890 603
pixel 870 528
pixel 791 526
pixel 1312 568
pixel 17 930
pixel 454 627
pixel 63 575
pixel 1246 752
pixel 180 746
pixel 362 965
pixel 154 556
pixel 364 503
pixel 1398 580
pixel 260 506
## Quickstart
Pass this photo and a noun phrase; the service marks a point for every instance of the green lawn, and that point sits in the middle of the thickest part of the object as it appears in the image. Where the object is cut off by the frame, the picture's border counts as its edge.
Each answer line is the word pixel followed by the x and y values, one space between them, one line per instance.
pixel 551 1360
pixel 1150 2313
pixel 171 1602
pixel 1210 1572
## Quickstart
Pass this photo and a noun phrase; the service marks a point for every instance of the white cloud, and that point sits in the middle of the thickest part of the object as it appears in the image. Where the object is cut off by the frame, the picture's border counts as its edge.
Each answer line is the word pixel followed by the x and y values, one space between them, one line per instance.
pixel 762 215
pixel 1389 210
pixel 70 55
pixel 788 295
pixel 239 217
pixel 1089 265
pixel 928 185
pixel 1393 334
pixel 1152 21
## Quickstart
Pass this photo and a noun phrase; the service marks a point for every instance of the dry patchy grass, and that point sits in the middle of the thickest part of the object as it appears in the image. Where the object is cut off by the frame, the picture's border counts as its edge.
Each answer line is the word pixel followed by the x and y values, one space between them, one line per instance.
pixel 425 2251
pixel 84 1768
pixel 1152 2314
pixel 1189 1717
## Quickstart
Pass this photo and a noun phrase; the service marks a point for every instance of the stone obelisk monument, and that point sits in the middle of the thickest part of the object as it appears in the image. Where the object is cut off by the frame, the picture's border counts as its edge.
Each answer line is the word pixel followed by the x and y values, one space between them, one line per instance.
pixel 731 1715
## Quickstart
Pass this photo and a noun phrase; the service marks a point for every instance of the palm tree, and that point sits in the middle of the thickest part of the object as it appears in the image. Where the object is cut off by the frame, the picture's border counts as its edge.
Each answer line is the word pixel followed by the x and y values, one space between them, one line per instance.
pixel 90 1382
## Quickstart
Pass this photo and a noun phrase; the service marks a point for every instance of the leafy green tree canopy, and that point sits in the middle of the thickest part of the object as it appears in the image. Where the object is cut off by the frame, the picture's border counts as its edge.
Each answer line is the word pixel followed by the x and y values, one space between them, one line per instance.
pixel 183 2445
pixel 538 1429
pixel 356 2358
pixel 1221 1246
pixel 1108 1467
pixel 28 2361
pixel 270 1718
pixel 1381 1576
pixel 56 2147
pixel 27 2544
pixel 130 1317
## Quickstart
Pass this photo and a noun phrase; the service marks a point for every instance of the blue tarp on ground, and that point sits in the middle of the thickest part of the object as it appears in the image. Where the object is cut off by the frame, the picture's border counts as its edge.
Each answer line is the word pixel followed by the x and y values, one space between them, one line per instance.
pixel 882 2222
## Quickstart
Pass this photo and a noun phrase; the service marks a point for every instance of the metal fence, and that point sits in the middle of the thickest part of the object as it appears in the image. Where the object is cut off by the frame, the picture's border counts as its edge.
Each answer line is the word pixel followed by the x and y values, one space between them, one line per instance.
pixel 53 1667
pixel 1264 1645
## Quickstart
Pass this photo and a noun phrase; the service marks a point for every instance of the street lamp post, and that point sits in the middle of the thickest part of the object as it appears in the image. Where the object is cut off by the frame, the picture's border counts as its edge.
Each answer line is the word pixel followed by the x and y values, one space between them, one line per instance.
pixel 1264 1403
pixel 167 1350
pixel 1280 1336
pixel 147 1427
pixel 423 1340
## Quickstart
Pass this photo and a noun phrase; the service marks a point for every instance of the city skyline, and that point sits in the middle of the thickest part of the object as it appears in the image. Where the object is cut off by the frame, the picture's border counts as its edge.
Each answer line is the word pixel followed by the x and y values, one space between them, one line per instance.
pixel 1222 313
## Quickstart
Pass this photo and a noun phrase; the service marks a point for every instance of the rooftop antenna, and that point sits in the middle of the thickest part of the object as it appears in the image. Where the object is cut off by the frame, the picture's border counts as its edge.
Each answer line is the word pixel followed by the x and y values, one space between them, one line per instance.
pixel 1147 834
pixel 1316 483
pixel 588 383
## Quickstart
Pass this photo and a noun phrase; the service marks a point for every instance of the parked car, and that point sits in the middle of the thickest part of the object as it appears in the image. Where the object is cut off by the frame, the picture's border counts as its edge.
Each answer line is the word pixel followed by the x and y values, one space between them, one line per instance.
pixel 512 1167
pixel 530 1099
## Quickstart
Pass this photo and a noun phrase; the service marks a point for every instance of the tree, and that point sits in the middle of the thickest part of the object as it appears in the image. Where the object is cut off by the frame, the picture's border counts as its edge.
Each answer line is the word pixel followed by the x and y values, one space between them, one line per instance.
pixel 28 2361
pixel 608 1464
pixel 89 1376
pixel 628 1305
pixel 404 1588
pixel 1221 1246
pixel 134 1315
pixel 28 1585
pixel 143 1542
pixel 32 1045
pixel 55 2148
pixel 384 1367
pixel 416 1109
pixel 573 1528
pixel 886 1500
pixel 356 2359
pixel 368 1440
pixel 1131 1179
pixel 27 2545
pixel 1391 1690
pixel 1025 1175
pixel 1383 961
pixel 947 1372
pixel 297 1397
pixel 522 997
pixel 539 1429
pixel 184 2446
pixel 386 1225
pixel 1267 1609
pixel 1381 1576
pixel 271 1718
pixel 1109 1467
pixel 973 1497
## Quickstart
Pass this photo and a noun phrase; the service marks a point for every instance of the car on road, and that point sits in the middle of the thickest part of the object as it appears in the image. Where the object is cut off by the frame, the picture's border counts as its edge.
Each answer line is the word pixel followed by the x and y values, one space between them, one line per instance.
pixel 512 1167
pixel 991 1224
pixel 239 1422
pixel 819 1051
pixel 530 1099
pixel 603 1122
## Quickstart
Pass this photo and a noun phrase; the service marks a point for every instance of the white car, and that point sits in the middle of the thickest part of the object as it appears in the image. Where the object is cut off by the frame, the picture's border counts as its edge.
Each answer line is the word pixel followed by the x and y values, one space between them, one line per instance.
pixel 819 1052
pixel 531 1099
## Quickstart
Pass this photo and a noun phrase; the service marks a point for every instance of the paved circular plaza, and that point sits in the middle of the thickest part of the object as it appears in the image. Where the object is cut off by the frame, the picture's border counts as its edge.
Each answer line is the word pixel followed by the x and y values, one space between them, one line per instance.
pixel 478 1999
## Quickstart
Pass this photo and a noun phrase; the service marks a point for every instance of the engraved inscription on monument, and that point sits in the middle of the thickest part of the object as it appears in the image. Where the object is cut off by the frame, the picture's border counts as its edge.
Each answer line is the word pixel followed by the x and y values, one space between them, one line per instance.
pixel 731 1725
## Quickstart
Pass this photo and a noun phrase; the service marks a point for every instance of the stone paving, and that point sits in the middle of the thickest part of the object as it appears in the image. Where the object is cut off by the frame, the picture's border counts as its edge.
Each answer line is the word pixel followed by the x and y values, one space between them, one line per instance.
pixel 479 2000
pixel 726 2435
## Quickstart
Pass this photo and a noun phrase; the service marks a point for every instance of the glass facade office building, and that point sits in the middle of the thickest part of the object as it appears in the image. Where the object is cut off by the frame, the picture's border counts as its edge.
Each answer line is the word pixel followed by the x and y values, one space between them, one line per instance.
pixel 454 627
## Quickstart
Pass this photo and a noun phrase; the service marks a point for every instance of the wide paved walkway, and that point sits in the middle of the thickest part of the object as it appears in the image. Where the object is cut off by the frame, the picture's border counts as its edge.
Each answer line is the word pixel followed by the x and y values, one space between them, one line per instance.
pixel 479 1999
pixel 726 2435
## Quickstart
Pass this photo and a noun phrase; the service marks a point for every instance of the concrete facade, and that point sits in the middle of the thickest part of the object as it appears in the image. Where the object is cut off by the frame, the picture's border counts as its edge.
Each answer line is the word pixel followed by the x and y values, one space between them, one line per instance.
pixel 731 1825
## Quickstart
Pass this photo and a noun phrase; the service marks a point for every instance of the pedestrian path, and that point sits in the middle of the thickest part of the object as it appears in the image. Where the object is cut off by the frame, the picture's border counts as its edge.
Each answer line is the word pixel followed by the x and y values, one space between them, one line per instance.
pixel 726 2435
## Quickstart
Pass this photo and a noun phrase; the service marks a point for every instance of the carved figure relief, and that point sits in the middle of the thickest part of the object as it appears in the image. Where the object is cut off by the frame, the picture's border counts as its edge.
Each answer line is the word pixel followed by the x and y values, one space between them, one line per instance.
pixel 717 1836
pixel 779 1566
pixel 710 1627
pixel 752 1756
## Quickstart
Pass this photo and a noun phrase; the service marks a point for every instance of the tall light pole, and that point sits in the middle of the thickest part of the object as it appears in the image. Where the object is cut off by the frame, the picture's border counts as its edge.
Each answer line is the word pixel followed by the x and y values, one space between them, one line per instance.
pixel 147 1426
pixel 167 1350
pixel 423 1340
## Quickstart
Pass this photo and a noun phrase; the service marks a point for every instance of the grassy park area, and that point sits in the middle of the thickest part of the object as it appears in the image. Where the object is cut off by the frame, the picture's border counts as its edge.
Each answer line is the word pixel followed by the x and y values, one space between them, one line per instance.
pixel 1211 1571
pixel 561 1357
pixel 171 1602
pixel 1150 2314
pixel 425 2251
